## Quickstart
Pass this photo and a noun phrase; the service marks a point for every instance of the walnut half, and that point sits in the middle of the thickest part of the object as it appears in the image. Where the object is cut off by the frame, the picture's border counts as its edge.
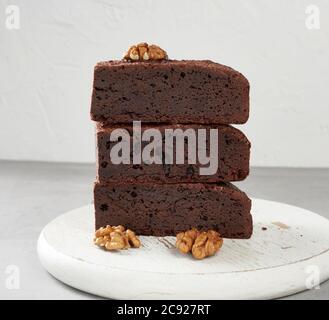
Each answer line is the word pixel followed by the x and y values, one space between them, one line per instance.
pixel 116 238
pixel 200 244
pixel 185 240
pixel 145 52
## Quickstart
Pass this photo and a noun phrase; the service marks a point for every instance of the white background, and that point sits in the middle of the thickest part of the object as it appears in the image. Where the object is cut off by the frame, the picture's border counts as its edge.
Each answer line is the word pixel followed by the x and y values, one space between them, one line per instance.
pixel 46 70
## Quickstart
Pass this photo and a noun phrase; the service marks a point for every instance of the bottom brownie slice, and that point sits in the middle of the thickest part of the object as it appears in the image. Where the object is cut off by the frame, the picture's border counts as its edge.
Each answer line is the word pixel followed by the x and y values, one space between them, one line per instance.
pixel 167 209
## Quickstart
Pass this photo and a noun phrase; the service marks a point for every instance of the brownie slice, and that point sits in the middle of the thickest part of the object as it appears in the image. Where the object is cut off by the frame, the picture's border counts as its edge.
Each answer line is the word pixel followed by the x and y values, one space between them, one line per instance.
pixel 170 91
pixel 233 158
pixel 167 209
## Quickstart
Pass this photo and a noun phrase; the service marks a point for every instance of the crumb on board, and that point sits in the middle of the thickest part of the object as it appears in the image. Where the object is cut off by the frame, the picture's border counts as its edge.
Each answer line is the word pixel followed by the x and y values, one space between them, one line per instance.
pixel 281 225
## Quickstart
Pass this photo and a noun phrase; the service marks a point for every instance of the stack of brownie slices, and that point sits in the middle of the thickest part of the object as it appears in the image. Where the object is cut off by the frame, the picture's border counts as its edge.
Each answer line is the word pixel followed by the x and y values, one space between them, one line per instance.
pixel 165 199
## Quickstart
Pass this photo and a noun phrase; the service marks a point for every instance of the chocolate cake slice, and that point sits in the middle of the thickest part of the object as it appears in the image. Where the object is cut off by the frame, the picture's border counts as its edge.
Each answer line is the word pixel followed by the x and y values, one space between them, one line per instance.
pixel 232 159
pixel 169 91
pixel 167 209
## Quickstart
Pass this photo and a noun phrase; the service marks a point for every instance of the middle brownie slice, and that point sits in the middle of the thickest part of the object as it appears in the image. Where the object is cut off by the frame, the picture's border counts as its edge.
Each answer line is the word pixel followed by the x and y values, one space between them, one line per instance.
pixel 230 162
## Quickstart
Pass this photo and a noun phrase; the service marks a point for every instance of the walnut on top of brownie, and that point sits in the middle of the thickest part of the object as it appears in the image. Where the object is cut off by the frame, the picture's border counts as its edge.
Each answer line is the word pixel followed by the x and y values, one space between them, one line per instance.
pixel 145 52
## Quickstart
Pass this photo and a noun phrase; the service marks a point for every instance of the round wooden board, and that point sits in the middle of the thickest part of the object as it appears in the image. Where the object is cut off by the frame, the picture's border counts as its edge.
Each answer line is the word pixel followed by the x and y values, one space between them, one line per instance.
pixel 289 246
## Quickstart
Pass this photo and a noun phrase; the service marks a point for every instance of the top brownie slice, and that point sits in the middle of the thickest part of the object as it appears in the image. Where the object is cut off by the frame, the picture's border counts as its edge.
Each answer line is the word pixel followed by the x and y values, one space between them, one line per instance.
pixel 169 91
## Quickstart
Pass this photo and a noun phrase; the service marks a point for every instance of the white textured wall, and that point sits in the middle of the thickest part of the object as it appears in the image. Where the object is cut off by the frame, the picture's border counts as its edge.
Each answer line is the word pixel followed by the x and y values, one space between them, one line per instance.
pixel 46 69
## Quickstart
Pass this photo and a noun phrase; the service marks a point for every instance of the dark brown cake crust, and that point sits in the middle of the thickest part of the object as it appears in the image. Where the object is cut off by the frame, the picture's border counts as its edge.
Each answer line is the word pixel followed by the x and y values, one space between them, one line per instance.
pixel 169 91
pixel 167 209
pixel 233 159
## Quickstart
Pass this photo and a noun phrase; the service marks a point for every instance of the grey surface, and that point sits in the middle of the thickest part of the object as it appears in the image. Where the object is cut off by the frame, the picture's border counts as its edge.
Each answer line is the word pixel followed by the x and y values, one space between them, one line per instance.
pixel 32 194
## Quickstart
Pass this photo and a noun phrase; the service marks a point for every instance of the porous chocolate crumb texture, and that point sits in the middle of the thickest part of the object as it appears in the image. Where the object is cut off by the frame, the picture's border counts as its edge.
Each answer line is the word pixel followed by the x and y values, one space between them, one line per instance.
pixel 233 160
pixel 169 92
pixel 167 209
pixel 165 199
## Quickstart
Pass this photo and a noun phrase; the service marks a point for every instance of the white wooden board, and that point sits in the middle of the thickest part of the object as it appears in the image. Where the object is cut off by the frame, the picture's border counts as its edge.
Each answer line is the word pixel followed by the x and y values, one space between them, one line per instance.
pixel 292 253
